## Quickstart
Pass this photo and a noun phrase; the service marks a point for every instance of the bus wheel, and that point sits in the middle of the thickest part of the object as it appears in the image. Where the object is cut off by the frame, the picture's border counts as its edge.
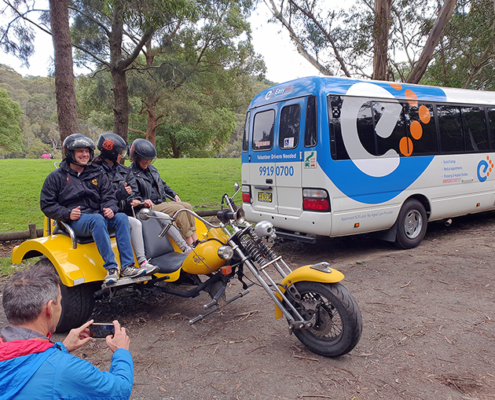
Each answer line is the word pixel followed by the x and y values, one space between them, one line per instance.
pixel 411 225
pixel 77 302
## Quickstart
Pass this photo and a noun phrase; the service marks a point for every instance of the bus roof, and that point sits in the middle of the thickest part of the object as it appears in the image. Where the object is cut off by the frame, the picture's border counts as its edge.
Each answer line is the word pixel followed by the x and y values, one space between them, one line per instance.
pixel 339 86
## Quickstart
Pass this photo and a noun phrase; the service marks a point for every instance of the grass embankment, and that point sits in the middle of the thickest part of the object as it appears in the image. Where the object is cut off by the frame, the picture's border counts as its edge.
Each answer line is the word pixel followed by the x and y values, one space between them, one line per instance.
pixel 200 182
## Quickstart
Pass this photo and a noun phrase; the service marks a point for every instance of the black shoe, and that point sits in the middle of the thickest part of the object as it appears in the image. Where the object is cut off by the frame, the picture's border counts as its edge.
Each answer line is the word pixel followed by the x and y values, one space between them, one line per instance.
pixel 112 276
pixel 195 244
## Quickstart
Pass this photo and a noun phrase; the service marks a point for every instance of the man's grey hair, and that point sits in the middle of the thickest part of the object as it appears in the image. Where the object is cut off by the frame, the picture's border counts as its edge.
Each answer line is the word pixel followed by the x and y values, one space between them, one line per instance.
pixel 27 292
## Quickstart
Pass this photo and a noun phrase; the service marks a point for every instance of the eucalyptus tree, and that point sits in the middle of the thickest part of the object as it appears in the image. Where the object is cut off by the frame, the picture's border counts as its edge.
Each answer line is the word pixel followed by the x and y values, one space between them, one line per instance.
pixel 466 55
pixel 111 34
pixel 365 37
pixel 210 52
pixel 17 37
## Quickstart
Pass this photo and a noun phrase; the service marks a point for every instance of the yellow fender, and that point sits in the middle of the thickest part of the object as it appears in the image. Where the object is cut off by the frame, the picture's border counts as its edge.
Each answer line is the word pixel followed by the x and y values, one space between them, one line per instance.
pixel 307 274
pixel 74 266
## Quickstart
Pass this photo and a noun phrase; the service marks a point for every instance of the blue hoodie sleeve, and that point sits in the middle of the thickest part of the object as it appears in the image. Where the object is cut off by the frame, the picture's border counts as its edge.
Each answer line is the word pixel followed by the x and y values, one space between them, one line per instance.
pixel 79 379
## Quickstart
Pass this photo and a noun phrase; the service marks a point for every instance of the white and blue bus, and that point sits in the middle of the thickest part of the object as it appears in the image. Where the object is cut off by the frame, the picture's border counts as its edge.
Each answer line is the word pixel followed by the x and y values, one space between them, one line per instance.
pixel 336 156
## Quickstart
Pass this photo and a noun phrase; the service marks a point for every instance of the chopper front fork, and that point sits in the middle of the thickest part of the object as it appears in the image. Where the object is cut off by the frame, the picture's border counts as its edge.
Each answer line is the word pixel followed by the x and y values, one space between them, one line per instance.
pixel 299 322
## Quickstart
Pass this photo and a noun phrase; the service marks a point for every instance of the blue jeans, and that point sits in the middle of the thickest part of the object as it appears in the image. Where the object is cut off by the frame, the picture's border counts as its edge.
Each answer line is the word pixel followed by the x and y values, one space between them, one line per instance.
pixel 97 225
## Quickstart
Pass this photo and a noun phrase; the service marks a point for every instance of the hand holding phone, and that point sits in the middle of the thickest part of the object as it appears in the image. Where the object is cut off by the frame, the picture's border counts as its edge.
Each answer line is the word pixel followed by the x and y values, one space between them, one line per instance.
pixel 101 330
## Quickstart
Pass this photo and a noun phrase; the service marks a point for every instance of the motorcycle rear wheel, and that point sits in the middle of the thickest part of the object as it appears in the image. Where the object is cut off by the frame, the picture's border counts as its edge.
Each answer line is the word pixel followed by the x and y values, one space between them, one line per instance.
pixel 77 302
pixel 338 324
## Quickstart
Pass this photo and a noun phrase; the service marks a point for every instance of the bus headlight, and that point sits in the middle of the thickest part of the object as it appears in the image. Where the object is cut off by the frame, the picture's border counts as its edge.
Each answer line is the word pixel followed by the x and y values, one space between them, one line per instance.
pixel 225 252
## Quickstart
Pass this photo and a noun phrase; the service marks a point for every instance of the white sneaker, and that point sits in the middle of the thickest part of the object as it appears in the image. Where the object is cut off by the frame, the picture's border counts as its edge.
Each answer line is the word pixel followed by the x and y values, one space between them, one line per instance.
pixel 186 250
pixel 150 268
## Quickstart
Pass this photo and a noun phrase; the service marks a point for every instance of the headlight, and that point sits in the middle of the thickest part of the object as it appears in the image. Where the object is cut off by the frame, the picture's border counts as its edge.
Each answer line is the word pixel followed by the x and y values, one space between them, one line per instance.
pixel 264 229
pixel 225 252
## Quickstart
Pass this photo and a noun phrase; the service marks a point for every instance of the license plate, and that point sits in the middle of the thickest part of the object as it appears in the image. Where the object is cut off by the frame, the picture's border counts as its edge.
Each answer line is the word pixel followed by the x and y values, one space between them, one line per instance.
pixel 265 197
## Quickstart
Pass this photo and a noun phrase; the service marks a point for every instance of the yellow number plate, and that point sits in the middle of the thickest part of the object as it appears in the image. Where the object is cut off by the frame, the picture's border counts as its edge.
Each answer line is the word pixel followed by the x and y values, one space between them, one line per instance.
pixel 265 197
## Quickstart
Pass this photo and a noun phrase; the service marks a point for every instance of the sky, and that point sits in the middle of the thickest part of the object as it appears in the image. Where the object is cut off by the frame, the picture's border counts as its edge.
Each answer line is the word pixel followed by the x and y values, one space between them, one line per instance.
pixel 282 60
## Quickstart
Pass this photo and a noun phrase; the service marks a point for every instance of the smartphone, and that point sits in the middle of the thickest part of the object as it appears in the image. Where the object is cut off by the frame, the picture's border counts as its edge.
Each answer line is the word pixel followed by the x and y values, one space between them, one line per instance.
pixel 101 330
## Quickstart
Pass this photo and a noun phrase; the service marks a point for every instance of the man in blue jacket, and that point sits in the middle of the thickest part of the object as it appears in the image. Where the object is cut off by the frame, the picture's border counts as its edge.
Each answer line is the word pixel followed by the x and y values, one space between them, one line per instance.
pixel 32 367
pixel 81 195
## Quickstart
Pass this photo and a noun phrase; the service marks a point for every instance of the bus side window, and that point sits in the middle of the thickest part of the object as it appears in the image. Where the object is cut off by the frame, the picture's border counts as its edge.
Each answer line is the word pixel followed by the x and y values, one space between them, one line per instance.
pixel 491 124
pixel 474 128
pixel 290 122
pixel 263 130
pixel 449 121
pixel 392 125
pixel 311 126
pixel 245 138
pixel 366 128
pixel 337 148
pixel 421 128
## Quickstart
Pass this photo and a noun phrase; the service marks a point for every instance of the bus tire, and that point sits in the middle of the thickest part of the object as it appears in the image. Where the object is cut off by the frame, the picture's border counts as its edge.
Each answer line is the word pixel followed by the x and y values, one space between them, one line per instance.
pixel 411 225
pixel 77 302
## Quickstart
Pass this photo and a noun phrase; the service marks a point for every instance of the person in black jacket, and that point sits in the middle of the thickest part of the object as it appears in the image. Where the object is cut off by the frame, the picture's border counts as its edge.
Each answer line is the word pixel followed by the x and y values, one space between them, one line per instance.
pixel 155 191
pixel 112 148
pixel 80 194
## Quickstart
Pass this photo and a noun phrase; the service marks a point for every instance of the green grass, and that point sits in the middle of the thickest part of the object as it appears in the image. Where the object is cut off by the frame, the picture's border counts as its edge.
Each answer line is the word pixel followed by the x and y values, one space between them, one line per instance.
pixel 200 182
pixel 7 268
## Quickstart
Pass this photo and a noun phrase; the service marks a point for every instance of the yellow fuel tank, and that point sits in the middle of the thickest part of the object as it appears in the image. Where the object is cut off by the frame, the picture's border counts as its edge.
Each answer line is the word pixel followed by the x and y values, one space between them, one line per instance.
pixel 204 258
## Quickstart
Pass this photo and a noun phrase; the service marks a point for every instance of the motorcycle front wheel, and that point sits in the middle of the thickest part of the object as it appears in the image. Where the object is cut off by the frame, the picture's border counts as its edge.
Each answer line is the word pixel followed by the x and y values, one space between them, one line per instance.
pixel 338 323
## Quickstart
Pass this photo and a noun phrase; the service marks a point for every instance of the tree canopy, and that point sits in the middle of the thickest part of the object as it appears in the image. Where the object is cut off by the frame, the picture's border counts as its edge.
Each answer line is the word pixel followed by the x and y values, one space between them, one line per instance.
pixel 10 131
pixel 466 54
pixel 366 38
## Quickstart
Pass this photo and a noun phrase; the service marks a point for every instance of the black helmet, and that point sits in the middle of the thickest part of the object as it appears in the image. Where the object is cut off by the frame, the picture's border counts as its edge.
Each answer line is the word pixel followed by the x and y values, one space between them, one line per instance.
pixel 111 145
pixel 142 149
pixel 77 141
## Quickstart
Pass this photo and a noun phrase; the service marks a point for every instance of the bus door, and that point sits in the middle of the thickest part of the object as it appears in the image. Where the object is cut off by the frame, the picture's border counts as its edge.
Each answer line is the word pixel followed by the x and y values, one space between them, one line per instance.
pixel 262 177
pixel 289 149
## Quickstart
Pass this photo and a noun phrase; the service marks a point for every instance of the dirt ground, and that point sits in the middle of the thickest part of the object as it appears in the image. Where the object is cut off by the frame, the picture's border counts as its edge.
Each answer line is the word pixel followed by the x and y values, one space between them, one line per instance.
pixel 428 328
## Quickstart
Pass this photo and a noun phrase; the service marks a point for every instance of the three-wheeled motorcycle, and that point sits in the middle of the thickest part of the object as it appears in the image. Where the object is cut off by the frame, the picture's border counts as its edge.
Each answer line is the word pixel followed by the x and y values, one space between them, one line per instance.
pixel 318 308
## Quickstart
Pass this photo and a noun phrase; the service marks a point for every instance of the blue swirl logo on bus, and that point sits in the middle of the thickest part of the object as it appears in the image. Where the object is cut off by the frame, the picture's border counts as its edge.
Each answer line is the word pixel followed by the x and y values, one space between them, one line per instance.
pixel 373 179
pixel 484 169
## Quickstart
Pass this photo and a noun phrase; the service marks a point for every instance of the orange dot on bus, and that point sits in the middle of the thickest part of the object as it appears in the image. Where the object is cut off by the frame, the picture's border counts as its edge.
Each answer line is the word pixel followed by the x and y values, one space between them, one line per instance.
pixel 416 130
pixel 411 97
pixel 488 158
pixel 490 170
pixel 406 146
pixel 396 86
pixel 424 114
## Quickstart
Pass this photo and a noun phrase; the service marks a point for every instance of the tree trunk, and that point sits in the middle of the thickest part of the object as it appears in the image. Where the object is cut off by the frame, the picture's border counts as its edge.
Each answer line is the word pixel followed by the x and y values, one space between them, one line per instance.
pixel 381 28
pixel 121 103
pixel 65 91
pixel 120 90
pixel 433 39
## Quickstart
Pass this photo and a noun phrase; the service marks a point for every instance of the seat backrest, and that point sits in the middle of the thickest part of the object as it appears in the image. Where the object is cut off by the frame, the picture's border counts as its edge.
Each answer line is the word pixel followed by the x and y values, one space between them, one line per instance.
pixel 153 245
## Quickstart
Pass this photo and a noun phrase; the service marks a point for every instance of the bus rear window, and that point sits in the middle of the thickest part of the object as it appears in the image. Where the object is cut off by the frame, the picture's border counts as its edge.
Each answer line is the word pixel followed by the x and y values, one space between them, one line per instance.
pixel 263 130
pixel 290 121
